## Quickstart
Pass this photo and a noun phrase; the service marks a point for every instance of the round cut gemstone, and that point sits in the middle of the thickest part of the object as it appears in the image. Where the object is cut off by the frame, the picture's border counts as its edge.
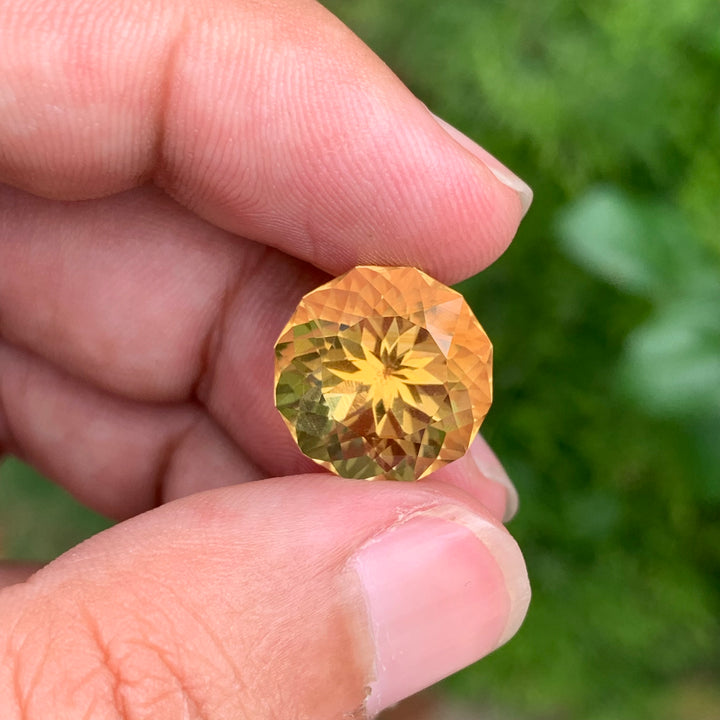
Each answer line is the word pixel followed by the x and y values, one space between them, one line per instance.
pixel 383 372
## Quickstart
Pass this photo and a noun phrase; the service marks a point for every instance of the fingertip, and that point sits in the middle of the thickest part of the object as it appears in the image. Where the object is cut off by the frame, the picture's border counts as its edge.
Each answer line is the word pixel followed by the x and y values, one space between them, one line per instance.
pixel 480 474
pixel 488 465
pixel 443 588
pixel 506 176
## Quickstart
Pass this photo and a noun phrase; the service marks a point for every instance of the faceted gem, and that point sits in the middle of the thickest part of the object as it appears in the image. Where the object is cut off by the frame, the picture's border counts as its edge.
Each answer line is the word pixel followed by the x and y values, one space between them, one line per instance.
pixel 383 372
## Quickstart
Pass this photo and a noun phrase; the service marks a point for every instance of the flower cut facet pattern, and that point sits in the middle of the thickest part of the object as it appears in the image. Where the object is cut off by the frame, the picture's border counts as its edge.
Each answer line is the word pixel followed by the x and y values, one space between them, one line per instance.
pixel 383 373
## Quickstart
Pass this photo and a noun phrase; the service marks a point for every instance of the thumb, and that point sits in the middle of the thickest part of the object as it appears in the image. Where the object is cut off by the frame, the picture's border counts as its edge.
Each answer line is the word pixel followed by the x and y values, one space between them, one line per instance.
pixel 300 597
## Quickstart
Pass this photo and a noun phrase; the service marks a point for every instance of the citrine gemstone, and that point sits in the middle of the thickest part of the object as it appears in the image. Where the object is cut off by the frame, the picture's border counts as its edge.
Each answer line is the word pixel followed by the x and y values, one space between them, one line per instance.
pixel 383 372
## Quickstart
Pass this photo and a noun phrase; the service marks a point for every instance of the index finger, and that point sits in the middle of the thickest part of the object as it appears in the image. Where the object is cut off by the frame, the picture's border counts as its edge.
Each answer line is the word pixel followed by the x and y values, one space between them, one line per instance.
pixel 270 119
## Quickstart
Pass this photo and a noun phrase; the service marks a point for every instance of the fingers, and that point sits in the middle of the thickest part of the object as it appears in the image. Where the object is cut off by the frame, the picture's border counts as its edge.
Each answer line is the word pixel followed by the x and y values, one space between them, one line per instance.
pixel 167 307
pixel 122 458
pixel 301 597
pixel 117 456
pixel 127 292
pixel 480 474
pixel 271 120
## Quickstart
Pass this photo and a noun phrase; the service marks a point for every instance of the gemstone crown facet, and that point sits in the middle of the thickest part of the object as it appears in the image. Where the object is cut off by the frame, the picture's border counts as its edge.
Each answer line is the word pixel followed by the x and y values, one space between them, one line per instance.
pixel 383 372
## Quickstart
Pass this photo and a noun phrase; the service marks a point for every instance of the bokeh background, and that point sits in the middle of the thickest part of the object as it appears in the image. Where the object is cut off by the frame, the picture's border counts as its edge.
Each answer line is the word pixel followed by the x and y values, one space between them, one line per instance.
pixel 605 314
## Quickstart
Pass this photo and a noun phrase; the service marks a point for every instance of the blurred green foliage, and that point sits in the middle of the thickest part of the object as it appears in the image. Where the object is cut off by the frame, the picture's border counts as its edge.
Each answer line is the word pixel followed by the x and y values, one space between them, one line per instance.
pixel 39 520
pixel 671 363
pixel 605 314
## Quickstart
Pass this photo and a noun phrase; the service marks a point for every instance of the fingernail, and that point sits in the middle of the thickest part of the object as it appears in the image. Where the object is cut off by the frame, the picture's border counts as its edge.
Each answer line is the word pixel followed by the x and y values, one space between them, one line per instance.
pixel 506 176
pixel 487 463
pixel 443 588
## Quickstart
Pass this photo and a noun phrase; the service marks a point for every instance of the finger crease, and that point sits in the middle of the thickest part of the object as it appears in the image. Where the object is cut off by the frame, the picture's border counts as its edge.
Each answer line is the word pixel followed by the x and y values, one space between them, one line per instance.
pixel 212 345
pixel 168 458
pixel 158 156
pixel 8 437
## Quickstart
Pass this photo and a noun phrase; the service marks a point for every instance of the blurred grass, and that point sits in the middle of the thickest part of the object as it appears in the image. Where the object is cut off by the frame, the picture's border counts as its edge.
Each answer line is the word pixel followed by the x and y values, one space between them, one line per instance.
pixel 605 315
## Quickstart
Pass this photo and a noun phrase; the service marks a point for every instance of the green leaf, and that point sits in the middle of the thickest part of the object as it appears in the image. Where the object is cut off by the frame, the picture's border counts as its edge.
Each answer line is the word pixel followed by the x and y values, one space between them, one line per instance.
pixel 643 248
pixel 672 362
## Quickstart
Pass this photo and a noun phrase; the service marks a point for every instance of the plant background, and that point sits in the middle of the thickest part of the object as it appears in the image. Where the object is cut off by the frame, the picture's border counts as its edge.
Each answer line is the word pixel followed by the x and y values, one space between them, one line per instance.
pixel 605 314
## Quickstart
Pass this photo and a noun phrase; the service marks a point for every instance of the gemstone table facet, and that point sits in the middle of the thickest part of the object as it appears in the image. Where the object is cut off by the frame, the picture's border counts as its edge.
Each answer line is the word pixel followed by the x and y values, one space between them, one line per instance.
pixel 383 373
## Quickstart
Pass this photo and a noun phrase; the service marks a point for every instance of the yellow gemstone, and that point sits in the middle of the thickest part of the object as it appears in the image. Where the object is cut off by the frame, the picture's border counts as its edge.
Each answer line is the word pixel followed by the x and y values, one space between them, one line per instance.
pixel 383 372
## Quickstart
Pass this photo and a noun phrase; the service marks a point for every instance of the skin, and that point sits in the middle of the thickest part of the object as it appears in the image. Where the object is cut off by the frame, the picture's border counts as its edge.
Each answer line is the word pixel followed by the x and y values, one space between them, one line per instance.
pixel 175 175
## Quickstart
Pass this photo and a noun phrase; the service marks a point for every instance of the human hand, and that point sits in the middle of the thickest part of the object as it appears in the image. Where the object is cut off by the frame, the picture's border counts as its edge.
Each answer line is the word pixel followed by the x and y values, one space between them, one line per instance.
pixel 222 159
